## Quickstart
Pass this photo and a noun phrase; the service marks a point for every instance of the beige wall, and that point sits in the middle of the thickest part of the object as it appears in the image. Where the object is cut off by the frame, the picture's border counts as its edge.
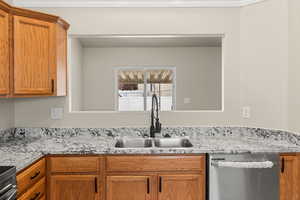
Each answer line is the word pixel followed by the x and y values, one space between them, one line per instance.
pixel 75 59
pixel 6 113
pixel 146 21
pixel 198 74
pixel 264 60
pixel 256 77
pixel 294 66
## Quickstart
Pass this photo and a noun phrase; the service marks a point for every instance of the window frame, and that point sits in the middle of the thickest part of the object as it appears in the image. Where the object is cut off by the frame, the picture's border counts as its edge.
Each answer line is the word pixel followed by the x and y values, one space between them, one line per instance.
pixel 143 68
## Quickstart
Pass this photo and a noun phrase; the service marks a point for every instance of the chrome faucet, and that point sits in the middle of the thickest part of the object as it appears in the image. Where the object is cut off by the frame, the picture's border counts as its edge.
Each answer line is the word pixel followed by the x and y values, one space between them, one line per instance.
pixel 155 126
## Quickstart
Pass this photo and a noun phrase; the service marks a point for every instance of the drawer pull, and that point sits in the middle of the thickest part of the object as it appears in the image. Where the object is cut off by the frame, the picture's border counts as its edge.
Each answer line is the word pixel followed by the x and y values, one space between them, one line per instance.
pixel 35 196
pixel 6 188
pixel 35 175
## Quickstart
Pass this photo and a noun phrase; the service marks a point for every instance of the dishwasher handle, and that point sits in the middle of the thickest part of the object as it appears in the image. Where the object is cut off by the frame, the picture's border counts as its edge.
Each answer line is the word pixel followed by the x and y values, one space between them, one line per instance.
pixel 244 164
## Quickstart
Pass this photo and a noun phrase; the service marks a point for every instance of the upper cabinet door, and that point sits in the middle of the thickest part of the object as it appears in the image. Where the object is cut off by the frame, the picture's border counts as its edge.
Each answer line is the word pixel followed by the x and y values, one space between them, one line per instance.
pixel 34 56
pixel 4 53
pixel 179 187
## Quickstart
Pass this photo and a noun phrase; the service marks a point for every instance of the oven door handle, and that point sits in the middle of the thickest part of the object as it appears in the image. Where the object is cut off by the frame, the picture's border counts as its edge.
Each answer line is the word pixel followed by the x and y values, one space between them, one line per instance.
pixel 9 195
pixel 13 195
pixel 6 188
pixel 247 165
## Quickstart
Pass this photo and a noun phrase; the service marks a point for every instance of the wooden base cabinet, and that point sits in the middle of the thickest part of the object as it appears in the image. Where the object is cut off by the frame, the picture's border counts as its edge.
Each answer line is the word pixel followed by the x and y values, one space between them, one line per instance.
pixel 155 177
pixel 152 187
pixel 32 181
pixel 289 181
pixel 75 177
pixel 179 187
pixel 70 187
pixel 129 187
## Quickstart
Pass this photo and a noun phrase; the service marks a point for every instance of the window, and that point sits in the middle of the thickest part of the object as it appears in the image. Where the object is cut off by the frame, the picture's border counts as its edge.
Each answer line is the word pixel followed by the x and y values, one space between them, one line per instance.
pixel 137 85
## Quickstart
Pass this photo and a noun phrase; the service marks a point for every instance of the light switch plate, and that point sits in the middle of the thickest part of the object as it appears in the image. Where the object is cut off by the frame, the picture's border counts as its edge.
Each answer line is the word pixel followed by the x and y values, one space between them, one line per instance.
pixel 57 113
pixel 246 112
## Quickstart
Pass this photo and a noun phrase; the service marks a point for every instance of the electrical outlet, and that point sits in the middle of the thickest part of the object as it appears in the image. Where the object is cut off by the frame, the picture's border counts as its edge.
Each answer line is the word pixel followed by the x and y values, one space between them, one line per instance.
pixel 57 113
pixel 246 112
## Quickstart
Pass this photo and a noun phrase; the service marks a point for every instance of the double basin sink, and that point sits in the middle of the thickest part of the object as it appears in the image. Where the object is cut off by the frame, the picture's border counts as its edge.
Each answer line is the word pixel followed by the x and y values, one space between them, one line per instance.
pixel 155 142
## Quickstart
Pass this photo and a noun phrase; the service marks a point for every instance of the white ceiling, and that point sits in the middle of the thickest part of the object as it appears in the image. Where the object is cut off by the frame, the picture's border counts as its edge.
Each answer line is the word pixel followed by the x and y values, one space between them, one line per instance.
pixel 133 3
pixel 151 41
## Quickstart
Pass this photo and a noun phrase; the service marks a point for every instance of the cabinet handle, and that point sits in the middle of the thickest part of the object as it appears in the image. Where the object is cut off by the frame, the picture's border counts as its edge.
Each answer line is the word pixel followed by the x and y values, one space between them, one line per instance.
pixel 35 175
pixel 282 165
pixel 52 85
pixel 160 184
pixel 96 185
pixel 35 196
pixel 148 186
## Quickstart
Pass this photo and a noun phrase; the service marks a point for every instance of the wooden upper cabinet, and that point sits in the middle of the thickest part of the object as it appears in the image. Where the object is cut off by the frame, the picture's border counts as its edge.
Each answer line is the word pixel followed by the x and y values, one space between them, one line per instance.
pixel 128 188
pixel 289 181
pixel 178 187
pixel 33 53
pixel 33 56
pixel 61 62
pixel 71 187
pixel 4 52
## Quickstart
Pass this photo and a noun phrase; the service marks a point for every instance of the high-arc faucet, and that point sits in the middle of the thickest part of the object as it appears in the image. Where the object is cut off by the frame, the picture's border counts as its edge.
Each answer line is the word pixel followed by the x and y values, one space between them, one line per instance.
pixel 155 124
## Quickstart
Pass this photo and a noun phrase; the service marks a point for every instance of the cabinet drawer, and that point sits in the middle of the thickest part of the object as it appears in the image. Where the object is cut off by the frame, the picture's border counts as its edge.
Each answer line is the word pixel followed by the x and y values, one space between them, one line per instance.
pixel 155 163
pixel 36 192
pixel 74 164
pixel 30 176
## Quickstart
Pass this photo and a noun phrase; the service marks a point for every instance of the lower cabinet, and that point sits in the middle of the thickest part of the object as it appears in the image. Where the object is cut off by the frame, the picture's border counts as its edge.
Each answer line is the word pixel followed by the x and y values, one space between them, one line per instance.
pixel 129 188
pixel 155 177
pixel 31 182
pixel 75 177
pixel 289 181
pixel 132 178
pixel 69 187
pixel 36 192
pixel 165 187
pixel 179 187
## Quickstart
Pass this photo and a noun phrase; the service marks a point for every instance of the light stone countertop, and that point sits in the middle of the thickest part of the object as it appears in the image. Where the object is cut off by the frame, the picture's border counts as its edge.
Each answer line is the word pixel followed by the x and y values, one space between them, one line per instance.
pixel 28 145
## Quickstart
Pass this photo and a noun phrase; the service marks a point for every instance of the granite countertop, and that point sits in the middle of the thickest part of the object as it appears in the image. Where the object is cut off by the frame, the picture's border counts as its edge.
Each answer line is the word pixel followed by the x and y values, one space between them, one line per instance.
pixel 24 146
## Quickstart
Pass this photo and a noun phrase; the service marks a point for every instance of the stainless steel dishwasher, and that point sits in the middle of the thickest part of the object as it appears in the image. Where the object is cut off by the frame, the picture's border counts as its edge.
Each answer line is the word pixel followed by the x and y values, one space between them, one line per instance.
pixel 243 176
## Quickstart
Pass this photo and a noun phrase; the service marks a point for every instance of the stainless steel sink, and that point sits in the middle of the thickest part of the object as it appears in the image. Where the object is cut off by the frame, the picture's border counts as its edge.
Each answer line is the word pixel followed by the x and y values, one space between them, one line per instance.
pixel 172 143
pixel 133 143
